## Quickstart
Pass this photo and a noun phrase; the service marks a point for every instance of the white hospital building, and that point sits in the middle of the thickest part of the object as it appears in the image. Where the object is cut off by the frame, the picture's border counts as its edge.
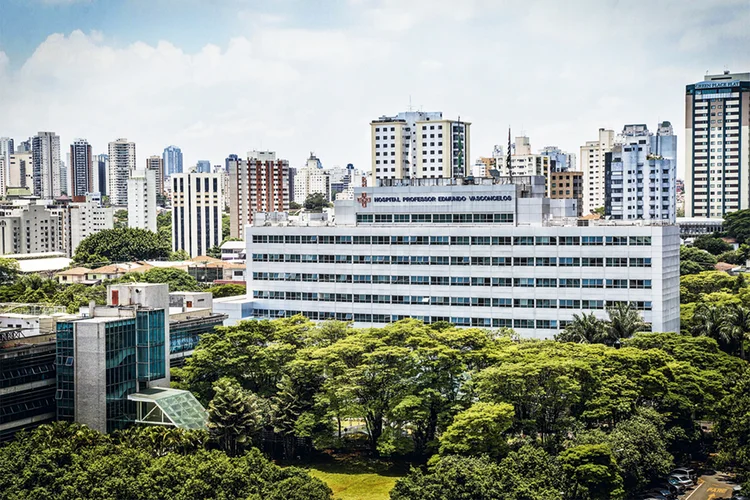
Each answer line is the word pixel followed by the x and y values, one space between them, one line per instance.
pixel 491 254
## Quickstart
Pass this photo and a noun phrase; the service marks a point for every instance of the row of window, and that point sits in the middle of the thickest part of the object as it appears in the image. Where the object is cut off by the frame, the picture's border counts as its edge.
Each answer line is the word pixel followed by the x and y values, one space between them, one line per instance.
pixel 453 240
pixel 365 298
pixel 435 218
pixel 546 324
pixel 464 260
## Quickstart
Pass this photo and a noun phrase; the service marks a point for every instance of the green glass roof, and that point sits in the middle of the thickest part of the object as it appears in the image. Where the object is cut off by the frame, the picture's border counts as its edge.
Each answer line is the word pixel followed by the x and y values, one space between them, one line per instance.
pixel 170 407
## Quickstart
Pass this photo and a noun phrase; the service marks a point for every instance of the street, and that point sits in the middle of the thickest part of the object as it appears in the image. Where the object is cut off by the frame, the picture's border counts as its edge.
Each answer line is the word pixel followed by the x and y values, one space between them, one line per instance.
pixel 715 486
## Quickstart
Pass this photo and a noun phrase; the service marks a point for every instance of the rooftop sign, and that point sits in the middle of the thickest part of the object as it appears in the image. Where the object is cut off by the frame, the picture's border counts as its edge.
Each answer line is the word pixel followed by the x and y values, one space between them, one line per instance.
pixel 716 85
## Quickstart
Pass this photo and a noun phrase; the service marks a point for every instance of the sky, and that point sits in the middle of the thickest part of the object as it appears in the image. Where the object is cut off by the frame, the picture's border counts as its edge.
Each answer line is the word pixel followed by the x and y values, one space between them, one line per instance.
pixel 216 77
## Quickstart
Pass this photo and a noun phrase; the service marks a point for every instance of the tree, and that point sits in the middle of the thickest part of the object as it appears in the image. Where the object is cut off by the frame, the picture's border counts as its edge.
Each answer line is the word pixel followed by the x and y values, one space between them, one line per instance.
pixel 121 219
pixel 177 279
pixel 316 202
pixel 478 430
pixel 732 429
pixel 164 226
pixel 9 271
pixel 709 321
pixel 214 251
pixel 121 245
pixel 293 205
pixel 624 322
pixel 225 226
pixel 584 329
pixel 737 225
pixel 591 473
pixel 229 290
pixel 736 327
pixel 599 211
pixel 179 255
pixel 234 415
pixel 735 257
pixel 694 286
pixel 694 260
pixel 712 244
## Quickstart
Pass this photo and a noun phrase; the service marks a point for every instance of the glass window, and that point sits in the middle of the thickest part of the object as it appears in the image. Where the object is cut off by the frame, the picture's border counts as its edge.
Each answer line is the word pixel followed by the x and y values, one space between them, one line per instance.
pixel 569 240
pixel 546 240
pixel 501 240
pixel 569 261
pixel 640 240
pixel 401 218
pixel 569 283
pixel 617 240
pixel 523 240
pixel 524 282
pixel 617 262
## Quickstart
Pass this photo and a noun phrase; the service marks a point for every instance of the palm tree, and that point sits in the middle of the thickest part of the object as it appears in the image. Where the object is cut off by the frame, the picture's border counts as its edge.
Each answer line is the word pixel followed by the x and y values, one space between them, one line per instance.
pixel 736 327
pixel 709 321
pixel 624 322
pixel 584 329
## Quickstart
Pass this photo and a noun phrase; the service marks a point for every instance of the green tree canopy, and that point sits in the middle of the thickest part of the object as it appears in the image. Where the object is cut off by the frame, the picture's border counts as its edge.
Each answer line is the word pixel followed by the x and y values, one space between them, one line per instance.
pixel 121 245
pixel 737 225
pixel 177 279
pixel 591 473
pixel 694 260
pixel 9 271
pixel 712 245
pixel 316 202
pixel 478 430
pixel 228 290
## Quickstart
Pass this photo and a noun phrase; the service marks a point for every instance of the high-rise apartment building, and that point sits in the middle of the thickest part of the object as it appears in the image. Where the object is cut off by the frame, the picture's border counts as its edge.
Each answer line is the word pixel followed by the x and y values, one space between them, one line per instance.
pixel 30 228
pixel 717 134
pixel 419 144
pixel 641 175
pixel 172 157
pixel 99 172
pixel 121 162
pixel 156 163
pixel 6 150
pixel 21 170
pixel 260 184
pixel 197 205
pixel 87 216
pixel 203 167
pixel 311 179
pixel 81 168
pixel 592 166
pixel 142 199
pixel 46 165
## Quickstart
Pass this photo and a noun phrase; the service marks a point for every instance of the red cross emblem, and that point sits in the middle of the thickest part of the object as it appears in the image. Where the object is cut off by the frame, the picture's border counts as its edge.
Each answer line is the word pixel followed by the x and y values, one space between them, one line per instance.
pixel 364 199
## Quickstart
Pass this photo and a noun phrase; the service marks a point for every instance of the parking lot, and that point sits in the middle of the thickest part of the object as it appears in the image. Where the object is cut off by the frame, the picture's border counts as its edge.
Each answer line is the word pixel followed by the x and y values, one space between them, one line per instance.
pixel 711 487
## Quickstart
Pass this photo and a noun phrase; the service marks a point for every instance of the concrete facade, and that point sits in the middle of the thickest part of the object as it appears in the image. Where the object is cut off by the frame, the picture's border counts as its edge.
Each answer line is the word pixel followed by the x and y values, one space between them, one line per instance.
pixel 142 189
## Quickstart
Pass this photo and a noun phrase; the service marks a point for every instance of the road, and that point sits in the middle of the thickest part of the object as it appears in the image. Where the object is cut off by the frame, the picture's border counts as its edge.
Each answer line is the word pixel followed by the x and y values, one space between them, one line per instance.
pixel 712 487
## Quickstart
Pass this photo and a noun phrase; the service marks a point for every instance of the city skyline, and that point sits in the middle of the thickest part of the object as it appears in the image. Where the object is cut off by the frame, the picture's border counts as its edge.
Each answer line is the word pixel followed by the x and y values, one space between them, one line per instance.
pixel 207 96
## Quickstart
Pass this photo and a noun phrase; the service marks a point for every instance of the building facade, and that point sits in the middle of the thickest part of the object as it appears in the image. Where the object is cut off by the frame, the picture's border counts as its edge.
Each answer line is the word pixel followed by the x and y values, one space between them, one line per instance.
pixel 7 148
pixel 156 163
pixel 100 170
pixel 21 170
pixel 593 168
pixel 420 145
pixel 260 184
pixel 46 165
pixel 121 162
pixel 142 199
pixel 310 179
pixel 172 158
pixel 717 134
pixel 81 168
pixel 486 255
pixel 566 185
pixel 197 205
pixel 31 228
pixel 87 216
pixel 641 175
pixel 203 167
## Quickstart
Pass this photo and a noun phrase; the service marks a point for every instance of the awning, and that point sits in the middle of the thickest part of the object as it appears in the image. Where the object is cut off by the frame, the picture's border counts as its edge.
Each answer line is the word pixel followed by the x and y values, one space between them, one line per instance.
pixel 170 407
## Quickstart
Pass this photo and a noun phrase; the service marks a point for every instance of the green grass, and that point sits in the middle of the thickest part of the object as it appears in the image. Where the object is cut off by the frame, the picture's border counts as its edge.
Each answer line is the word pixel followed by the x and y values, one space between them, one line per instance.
pixel 357 479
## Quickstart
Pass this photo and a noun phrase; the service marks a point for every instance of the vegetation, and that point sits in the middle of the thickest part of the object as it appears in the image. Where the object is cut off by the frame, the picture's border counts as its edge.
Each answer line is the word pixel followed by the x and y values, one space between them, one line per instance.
pixel 316 202
pixel 694 260
pixel 712 245
pixel 228 290
pixel 9 271
pixel 121 245
pixel 737 225
pixel 62 461
pixel 624 321
pixel 177 279
pixel 353 478
pixel 121 219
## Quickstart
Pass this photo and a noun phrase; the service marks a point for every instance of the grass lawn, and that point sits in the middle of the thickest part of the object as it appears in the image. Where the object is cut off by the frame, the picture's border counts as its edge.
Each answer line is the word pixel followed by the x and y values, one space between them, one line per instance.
pixel 357 479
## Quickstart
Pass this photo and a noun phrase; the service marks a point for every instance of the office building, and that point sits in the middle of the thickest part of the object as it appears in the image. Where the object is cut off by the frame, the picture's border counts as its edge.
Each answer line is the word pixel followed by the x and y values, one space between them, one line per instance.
pixel 260 184
pixel 121 162
pixel 717 134
pixel 203 167
pixel 592 165
pixel 197 205
pixel 27 380
pixel 641 175
pixel 567 185
pixel 46 165
pixel 21 170
pixel 419 144
pixel 563 161
pixel 311 179
pixel 30 226
pixel 191 315
pixel 81 168
pixel 172 157
pixel 87 216
pixel 6 150
pixel 142 199
pixel 99 172
pixel 490 254
pixel 156 163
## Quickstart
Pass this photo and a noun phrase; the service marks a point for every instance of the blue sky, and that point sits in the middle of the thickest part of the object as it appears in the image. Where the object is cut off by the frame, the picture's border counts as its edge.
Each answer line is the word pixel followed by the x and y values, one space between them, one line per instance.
pixel 218 77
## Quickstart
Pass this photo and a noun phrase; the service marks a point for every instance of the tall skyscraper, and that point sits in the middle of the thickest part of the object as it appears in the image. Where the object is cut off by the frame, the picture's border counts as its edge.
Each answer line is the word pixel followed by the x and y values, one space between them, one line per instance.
pixel 197 204
pixel 99 171
pixel 6 150
pixel 156 163
pixel 419 144
pixel 260 184
pixel 203 167
pixel 641 175
pixel 121 162
pixel 717 132
pixel 592 166
pixel 81 174
pixel 142 199
pixel 46 165
pixel 172 161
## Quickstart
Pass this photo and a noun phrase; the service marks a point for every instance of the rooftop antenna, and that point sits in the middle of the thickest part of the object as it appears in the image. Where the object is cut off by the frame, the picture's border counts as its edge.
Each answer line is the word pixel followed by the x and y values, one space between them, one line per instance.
pixel 507 159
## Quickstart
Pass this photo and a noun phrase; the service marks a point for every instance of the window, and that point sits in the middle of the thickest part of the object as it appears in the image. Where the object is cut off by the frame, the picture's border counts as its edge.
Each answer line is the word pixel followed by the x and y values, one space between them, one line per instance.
pixel 502 261
pixel 401 218
pixel 501 240
pixel 362 240
pixel 549 324
pixel 523 323
pixel 546 240
pixel 640 283
pixel 364 218
pixel 523 240
pixel 569 240
pixel 440 280
pixel 570 304
pixel 617 262
pixel 481 281
pixel 523 261
pixel 523 302
pixel 524 282
pixel 546 261
pixel 503 218
pixel 460 261
pixel 383 218
pixel 420 280
pixel 460 240
pixel 569 261
pixel 460 281
pixel 439 240
pixel 502 282
pixel 462 218
pixel 640 261
pixel 569 283
pixel 481 240
pixel 592 283
pixel 592 304
pixel 497 302
pixel 617 240
pixel 592 240
pixel 461 301
pixel 481 261
pixel 617 283
pixel 421 218
pixel 592 261
pixel 440 260
pixel 442 218
pixel 546 282
pixel 640 240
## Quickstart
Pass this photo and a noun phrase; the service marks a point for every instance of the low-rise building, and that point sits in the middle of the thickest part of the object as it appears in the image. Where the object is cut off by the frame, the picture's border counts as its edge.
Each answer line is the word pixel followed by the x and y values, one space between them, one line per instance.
pixel 73 275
